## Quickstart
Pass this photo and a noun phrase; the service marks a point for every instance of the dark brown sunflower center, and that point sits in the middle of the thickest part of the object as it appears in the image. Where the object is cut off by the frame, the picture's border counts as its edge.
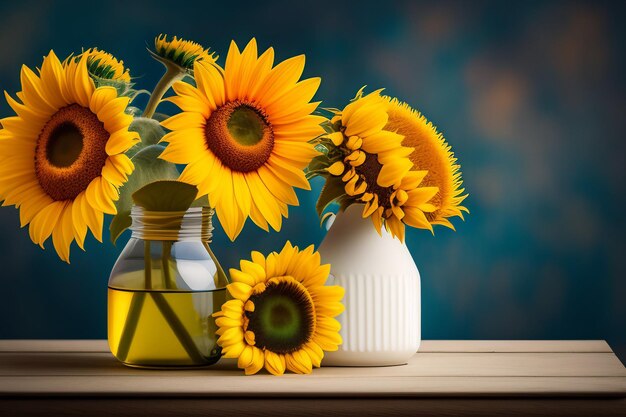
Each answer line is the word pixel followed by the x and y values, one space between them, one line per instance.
pixel 64 146
pixel 240 135
pixel 284 317
pixel 370 170
pixel 70 152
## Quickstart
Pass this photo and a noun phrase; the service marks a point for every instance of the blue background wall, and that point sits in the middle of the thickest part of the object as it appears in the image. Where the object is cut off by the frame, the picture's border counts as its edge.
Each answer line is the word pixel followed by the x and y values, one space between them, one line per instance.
pixel 530 95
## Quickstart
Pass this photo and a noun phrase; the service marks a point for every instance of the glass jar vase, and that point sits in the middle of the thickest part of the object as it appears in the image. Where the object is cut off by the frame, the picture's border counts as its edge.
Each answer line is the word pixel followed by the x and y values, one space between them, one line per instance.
pixel 163 289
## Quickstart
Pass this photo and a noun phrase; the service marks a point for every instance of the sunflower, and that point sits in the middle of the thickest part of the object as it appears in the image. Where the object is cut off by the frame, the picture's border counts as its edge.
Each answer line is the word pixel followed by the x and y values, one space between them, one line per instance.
pixel 67 145
pixel 181 52
pixel 179 57
pixel 430 153
pixel 282 314
pixel 374 167
pixel 104 66
pixel 244 133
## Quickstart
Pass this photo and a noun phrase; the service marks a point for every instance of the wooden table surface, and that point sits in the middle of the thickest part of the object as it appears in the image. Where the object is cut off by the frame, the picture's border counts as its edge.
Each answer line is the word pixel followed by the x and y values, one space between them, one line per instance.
pixel 444 377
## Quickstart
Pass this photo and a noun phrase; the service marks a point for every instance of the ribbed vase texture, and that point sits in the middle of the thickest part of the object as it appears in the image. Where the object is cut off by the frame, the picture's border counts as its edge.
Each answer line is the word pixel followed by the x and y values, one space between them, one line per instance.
pixel 381 324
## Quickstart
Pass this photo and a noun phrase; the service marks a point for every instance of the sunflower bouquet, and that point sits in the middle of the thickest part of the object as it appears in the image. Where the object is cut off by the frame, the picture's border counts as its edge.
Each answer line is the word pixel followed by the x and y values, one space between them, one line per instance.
pixel 77 149
pixel 381 153
pixel 246 136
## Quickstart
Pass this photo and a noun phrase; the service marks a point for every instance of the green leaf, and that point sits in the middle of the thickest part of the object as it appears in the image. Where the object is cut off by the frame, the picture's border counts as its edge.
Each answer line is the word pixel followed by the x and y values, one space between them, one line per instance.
pixel 319 163
pixel 148 168
pixel 166 196
pixel 332 190
pixel 329 127
pixel 201 202
pixel 150 132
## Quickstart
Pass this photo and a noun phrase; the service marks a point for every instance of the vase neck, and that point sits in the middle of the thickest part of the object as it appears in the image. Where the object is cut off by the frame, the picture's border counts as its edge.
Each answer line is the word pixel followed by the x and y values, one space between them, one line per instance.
pixel 191 225
pixel 351 222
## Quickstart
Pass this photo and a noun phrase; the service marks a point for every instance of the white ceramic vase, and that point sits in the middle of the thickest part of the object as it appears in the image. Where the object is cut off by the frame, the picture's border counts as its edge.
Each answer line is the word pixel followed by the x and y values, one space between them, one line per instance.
pixel 381 324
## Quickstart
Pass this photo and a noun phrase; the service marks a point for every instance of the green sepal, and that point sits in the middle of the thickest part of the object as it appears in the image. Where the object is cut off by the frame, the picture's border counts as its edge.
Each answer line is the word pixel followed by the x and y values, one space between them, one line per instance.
pixel 320 162
pixel 148 168
pixel 166 195
pixel 333 190
pixel 124 88
pixel 330 127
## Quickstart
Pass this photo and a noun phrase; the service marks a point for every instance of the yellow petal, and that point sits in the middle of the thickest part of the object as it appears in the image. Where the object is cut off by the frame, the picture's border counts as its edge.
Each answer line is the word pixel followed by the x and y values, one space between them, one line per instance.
pixel 264 201
pixel 246 357
pixel 93 217
pixel 253 269
pixel 121 141
pixel 274 363
pixel 182 121
pixel 367 120
pixel 337 138
pixel 238 276
pixel 259 259
pixel 185 146
pixel 233 350
pixel 63 233
pixel 239 290
pixel 289 173
pixel 228 322
pixel 211 84
pixel 231 336
pixel 232 71
pixel 281 190
pixel 258 360
pixel 80 226
pixel 44 222
pixel 316 354
pixel 392 173
pixel 337 168
pixel 261 71
pixel 242 193
pixel 101 97
pixel 281 77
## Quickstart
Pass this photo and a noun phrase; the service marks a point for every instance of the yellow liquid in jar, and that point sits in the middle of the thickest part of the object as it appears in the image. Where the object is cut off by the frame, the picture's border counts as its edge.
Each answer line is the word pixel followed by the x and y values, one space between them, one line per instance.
pixel 163 328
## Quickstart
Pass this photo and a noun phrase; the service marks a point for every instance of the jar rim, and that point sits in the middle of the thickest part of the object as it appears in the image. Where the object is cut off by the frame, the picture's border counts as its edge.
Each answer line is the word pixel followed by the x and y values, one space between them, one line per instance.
pixel 192 224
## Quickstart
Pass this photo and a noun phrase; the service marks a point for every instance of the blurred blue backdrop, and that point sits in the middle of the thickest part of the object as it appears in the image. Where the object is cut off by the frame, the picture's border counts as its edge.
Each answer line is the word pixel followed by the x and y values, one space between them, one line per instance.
pixel 531 96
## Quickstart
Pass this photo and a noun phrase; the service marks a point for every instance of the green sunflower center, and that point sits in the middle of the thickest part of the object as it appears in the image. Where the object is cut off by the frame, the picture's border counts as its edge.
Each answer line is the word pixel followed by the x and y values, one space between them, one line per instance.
pixel 71 152
pixel 240 135
pixel 284 317
pixel 246 126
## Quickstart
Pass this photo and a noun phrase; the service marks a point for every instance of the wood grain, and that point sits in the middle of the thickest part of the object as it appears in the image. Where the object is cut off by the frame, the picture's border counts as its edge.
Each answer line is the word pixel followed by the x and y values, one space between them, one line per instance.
pixel 299 386
pixel 487 346
pixel 421 365
pixel 441 368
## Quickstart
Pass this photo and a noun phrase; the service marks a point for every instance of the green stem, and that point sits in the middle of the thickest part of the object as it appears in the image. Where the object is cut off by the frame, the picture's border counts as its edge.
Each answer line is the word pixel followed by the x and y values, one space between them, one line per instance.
pixel 177 327
pixel 147 256
pixel 134 311
pixel 130 325
pixel 173 74
pixel 168 313
pixel 165 265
